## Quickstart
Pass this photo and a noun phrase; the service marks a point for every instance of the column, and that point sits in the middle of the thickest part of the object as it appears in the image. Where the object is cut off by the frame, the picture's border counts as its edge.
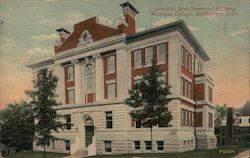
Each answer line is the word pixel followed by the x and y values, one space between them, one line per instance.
pixel 60 89
pixel 123 72
pixel 174 66
pixel 78 83
pixel 99 78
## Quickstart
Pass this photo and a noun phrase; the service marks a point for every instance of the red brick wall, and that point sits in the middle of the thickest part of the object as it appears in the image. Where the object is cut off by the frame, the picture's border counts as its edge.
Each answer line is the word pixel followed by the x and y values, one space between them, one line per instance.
pixel 68 83
pixel 97 31
pixel 144 70
pixel 198 119
pixel 199 92
pixel 109 76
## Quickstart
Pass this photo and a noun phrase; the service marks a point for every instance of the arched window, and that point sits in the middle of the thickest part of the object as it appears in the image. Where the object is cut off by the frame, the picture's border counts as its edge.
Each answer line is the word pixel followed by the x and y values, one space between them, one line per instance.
pixel 90 78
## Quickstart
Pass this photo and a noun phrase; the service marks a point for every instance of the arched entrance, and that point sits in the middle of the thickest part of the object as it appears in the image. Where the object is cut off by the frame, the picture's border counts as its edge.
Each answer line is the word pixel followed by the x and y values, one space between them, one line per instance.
pixel 89 130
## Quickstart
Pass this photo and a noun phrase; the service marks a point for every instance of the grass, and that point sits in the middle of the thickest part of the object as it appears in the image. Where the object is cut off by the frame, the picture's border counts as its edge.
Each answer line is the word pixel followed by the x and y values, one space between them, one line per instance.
pixel 35 154
pixel 222 152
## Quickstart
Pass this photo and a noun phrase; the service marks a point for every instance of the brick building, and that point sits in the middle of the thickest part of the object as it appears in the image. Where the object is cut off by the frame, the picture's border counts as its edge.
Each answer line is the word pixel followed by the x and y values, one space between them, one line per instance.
pixel 97 64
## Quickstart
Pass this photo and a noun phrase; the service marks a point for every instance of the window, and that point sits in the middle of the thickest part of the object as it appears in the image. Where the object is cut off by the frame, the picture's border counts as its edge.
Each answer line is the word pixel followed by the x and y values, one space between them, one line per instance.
pixel 53 144
pixel 160 145
pixel 107 146
pixel 199 68
pixel 68 121
pixel 192 119
pixel 137 145
pixel 137 58
pixel 138 124
pixel 183 86
pixel 183 117
pixel 71 96
pixel 70 73
pixel 137 81
pixel 210 119
pixel 187 117
pixel 90 78
pixel 51 73
pixel 109 121
pixel 240 120
pixel 161 53
pixel 111 90
pixel 186 88
pixel 148 145
pixel 248 120
pixel 162 79
pixel 183 53
pixel 149 55
pixel 190 62
pixel 190 90
pixel 67 145
pixel 210 94
pixel 111 64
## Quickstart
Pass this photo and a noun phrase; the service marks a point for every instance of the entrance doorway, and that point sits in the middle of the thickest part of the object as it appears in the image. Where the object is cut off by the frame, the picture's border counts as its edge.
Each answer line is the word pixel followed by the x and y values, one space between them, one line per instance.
pixel 89 131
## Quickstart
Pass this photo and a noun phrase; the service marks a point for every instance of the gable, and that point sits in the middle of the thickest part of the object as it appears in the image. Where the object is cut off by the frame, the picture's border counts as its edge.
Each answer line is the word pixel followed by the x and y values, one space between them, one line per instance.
pixel 96 30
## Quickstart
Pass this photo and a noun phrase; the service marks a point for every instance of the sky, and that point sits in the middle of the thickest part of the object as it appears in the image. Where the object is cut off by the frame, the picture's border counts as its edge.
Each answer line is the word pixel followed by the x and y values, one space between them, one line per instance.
pixel 27 34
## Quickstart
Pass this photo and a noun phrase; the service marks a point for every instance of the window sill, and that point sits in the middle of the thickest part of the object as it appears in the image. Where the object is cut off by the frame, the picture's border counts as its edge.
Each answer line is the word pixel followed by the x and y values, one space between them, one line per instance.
pixel 163 62
pixel 111 72
pixel 138 67
pixel 187 68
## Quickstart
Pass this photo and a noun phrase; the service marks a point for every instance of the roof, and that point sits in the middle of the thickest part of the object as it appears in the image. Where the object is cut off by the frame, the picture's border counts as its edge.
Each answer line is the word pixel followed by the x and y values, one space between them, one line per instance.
pixel 49 60
pixel 127 4
pixel 62 29
pixel 179 25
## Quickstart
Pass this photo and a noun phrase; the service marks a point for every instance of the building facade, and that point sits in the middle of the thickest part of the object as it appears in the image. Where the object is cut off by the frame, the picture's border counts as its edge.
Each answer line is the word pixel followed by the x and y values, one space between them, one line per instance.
pixel 97 64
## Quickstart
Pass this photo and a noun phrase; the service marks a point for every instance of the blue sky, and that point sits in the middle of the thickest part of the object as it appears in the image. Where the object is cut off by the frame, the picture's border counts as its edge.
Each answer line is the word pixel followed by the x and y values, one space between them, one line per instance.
pixel 28 34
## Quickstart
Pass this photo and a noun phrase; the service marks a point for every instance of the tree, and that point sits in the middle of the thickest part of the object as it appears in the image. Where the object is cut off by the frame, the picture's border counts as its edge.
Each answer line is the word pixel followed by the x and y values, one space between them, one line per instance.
pixel 44 100
pixel 17 126
pixel 149 100
pixel 245 109
pixel 221 112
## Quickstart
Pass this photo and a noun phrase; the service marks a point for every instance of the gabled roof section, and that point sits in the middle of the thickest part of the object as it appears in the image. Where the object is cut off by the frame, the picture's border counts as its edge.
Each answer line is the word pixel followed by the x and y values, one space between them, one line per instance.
pixel 180 26
pixel 47 61
pixel 95 29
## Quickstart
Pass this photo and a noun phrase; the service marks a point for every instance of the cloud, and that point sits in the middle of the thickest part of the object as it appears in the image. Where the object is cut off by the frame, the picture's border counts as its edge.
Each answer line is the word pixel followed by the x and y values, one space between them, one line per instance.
pixel 76 0
pixel 163 21
pixel 105 21
pixel 140 29
pixel 7 42
pixel 191 28
pixel 3 14
pixel 239 32
pixel 72 18
pixel 244 29
pixel 35 54
pixel 45 37
pixel 69 19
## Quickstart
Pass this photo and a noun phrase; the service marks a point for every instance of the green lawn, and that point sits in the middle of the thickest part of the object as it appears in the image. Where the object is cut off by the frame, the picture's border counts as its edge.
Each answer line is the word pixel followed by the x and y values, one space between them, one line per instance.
pixel 35 154
pixel 224 152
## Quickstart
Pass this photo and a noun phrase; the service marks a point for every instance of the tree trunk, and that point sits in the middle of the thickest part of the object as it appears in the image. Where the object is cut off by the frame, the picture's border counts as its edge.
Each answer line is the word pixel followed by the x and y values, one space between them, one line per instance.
pixel 151 136
pixel 44 151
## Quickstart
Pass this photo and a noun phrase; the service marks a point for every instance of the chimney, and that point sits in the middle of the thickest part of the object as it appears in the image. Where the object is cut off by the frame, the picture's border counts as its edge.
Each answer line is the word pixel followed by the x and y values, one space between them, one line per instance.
pixel 129 13
pixel 63 33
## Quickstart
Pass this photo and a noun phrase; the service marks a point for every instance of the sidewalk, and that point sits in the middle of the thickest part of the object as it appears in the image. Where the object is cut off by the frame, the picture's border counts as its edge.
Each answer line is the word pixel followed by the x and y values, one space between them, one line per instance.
pixel 244 154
